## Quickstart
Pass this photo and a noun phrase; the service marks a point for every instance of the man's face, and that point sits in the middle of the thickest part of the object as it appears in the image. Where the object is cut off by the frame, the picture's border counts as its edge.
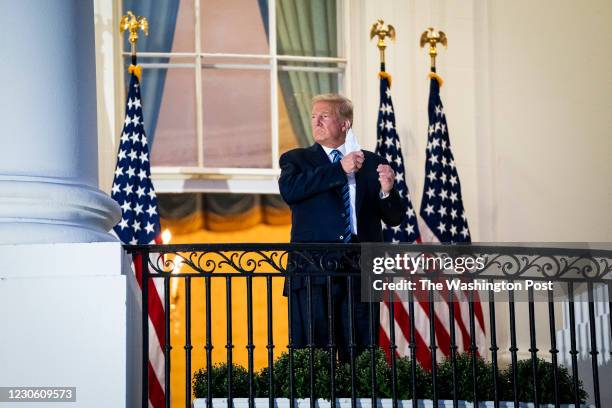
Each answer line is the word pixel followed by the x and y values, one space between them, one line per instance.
pixel 327 128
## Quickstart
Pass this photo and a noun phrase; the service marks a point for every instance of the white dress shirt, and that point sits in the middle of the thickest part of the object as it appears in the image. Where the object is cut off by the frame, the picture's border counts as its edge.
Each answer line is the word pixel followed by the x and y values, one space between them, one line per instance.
pixel 351 183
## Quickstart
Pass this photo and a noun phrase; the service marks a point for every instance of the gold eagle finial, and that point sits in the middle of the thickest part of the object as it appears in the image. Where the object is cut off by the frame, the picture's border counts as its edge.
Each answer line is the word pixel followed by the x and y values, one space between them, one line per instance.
pixel 382 30
pixel 433 37
pixel 133 24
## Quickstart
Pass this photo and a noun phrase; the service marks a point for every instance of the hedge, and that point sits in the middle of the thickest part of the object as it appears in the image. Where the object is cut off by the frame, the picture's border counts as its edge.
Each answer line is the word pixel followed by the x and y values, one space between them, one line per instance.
pixel 363 382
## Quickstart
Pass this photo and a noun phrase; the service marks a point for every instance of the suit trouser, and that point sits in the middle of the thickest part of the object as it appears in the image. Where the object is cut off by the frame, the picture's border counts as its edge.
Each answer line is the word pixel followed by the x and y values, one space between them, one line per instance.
pixel 364 327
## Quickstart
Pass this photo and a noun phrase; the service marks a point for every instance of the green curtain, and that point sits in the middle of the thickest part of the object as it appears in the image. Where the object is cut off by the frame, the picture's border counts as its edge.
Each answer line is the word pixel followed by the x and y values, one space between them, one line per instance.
pixel 305 28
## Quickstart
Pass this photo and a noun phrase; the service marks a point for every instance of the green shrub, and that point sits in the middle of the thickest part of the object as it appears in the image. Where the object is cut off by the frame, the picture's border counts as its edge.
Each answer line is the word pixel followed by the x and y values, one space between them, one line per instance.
pixel 546 386
pixel 262 382
pixel 363 386
pixel 465 384
pixel 219 383
pixel 301 370
pixel 363 376
pixel 403 367
pixel 322 370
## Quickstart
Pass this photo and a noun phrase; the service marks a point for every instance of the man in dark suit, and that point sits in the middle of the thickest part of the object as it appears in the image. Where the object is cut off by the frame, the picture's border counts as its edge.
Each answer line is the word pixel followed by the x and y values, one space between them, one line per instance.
pixel 336 196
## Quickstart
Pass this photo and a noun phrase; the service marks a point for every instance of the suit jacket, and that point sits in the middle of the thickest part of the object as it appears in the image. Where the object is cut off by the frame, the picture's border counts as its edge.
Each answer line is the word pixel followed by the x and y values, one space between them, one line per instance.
pixel 312 186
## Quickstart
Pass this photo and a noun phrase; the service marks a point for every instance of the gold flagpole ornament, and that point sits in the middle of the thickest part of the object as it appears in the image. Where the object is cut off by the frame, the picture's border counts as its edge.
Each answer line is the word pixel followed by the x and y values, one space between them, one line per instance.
pixel 433 37
pixel 382 30
pixel 133 24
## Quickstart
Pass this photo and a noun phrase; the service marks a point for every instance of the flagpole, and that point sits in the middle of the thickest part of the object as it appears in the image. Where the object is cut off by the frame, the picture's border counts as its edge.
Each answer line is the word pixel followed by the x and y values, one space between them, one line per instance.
pixel 442 192
pixel 433 37
pixel 388 146
pixel 135 127
pixel 382 30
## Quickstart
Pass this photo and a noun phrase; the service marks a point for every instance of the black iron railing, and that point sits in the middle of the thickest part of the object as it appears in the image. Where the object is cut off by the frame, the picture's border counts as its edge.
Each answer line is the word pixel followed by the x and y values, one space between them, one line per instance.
pixel 571 268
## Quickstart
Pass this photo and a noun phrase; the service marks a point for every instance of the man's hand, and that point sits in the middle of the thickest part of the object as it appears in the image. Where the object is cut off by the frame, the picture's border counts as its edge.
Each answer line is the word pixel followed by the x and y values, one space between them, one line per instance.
pixel 352 162
pixel 386 176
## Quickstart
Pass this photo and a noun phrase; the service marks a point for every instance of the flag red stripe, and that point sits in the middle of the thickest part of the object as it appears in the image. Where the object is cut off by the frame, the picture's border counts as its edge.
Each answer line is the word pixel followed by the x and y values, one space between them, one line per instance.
pixel 463 325
pixel 402 317
pixel 156 313
pixel 442 336
pixel 459 304
pixel 464 331
pixel 478 311
pixel 156 392
pixel 423 358
pixel 156 318
pixel 156 308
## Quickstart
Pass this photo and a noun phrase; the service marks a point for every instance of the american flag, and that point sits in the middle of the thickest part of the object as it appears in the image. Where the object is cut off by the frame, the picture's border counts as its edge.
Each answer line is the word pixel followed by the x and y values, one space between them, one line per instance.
pixel 139 225
pixel 388 146
pixel 441 204
pixel 443 214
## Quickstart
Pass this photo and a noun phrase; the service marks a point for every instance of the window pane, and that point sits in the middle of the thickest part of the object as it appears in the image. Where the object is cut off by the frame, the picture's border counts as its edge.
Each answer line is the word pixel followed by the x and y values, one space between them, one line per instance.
pixel 236 118
pixel 184 34
pixel 307 27
pixel 233 26
pixel 175 142
pixel 171 25
pixel 297 90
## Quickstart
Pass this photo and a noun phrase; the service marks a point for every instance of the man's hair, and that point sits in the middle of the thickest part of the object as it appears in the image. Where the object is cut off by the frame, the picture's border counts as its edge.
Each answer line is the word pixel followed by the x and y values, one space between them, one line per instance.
pixel 343 107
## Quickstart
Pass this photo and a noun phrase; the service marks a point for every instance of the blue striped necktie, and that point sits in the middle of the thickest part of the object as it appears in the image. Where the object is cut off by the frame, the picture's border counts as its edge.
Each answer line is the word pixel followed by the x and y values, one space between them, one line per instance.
pixel 346 199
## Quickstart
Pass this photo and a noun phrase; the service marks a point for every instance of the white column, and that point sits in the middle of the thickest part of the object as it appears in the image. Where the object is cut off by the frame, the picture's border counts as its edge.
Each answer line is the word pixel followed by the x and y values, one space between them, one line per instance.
pixel 69 304
pixel 48 136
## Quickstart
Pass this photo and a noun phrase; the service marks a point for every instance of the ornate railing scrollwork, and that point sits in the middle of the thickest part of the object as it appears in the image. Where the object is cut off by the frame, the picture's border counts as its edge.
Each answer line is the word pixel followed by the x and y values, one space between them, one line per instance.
pixel 500 262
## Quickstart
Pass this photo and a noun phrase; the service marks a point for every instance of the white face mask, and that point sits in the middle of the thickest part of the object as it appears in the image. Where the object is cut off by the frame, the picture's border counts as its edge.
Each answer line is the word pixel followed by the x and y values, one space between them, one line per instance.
pixel 351 144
